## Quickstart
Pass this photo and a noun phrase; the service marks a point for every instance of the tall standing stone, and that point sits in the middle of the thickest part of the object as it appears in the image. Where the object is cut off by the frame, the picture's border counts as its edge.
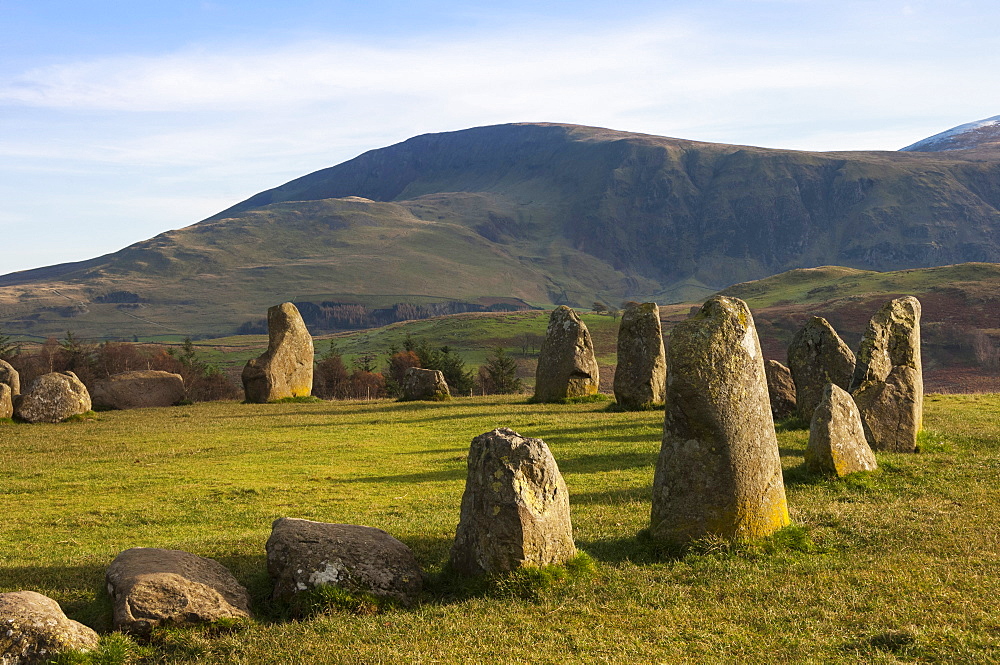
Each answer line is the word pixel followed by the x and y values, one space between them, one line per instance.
pixel 719 471
pixel 641 375
pixel 515 510
pixel 817 356
pixel 286 368
pixel 888 381
pixel 780 388
pixel 566 363
pixel 837 442
pixel 10 376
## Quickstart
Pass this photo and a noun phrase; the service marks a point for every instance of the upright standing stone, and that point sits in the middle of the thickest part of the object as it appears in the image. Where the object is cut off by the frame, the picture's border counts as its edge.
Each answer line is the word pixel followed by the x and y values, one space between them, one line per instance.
pixel 10 376
pixel 817 356
pixel 53 397
pixel 837 442
pixel 719 471
pixel 33 629
pixel 566 363
pixel 780 388
pixel 427 384
pixel 515 510
pixel 888 381
pixel 6 401
pixel 641 375
pixel 286 368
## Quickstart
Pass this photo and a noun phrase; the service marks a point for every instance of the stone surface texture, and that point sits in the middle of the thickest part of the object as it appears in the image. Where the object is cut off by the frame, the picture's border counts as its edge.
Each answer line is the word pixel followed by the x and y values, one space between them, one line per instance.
pixel 780 389
pixel 33 629
pixel 302 555
pixel 515 509
pixel 425 384
pixel 566 363
pixel 6 401
pixel 719 471
pixel 10 376
pixel 152 587
pixel 52 398
pixel 888 384
pixel 641 375
pixel 817 356
pixel 837 442
pixel 137 390
pixel 286 368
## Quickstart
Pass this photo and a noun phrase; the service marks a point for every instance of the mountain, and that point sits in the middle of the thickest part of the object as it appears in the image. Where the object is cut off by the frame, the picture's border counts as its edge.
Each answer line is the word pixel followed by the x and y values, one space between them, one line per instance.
pixel 982 135
pixel 528 214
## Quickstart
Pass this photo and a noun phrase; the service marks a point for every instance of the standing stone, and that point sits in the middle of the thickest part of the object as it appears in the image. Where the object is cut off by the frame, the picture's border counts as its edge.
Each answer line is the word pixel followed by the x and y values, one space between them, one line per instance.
pixel 817 356
pixel 52 398
pixel 428 384
pixel 780 389
pixel 837 442
pixel 138 390
pixel 641 375
pixel 152 587
pixel 719 471
pixel 6 401
pixel 888 381
pixel 515 510
pixel 33 629
pixel 566 363
pixel 286 368
pixel 10 376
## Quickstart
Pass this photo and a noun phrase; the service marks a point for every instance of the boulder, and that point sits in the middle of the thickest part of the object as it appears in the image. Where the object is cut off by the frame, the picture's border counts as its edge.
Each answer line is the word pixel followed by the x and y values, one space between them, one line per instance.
pixel 138 390
pixel 10 376
pixel 33 629
pixel 152 587
pixel 888 384
pixel 6 401
pixel 837 442
pixel 286 368
pixel 780 389
pixel 566 363
pixel 817 356
pixel 302 555
pixel 719 471
pixel 52 398
pixel 641 375
pixel 426 384
pixel 515 510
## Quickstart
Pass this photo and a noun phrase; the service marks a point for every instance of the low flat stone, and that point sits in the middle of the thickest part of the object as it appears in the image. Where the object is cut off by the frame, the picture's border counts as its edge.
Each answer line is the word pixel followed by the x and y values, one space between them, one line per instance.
pixel 425 384
pixel 152 587
pixel 780 389
pixel 33 629
pixel 837 442
pixel 138 390
pixel 10 376
pixel 52 398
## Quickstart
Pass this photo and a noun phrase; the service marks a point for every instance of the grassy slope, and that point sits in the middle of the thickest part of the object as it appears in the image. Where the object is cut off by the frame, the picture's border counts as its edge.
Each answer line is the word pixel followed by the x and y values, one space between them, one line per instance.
pixel 904 564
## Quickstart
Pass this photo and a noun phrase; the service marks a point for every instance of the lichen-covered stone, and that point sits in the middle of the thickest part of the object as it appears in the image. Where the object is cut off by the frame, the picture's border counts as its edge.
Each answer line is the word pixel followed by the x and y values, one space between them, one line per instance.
pixel 566 363
pixel 152 587
pixel 719 471
pixel 10 376
pixel 33 629
pixel 641 375
pixel 6 401
pixel 286 368
pixel 425 384
pixel 515 509
pixel 818 356
pixel 138 390
pixel 837 442
pixel 888 384
pixel 52 398
pixel 780 389
pixel 302 555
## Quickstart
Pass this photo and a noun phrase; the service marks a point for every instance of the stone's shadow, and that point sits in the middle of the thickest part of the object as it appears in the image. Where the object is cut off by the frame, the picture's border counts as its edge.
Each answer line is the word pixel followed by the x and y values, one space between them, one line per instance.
pixel 430 451
pixel 637 549
pixel 613 497
pixel 799 475
pixel 791 452
pixel 606 462
pixel 442 475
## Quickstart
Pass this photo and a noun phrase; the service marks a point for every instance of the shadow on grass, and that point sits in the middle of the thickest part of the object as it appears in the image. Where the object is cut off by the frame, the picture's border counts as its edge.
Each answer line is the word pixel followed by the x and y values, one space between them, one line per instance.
pixel 613 497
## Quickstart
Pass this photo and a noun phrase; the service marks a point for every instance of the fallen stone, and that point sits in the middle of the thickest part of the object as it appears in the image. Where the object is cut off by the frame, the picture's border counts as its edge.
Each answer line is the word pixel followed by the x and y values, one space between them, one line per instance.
pixel 303 555
pixel 837 442
pixel 138 390
pixel 780 389
pixel 817 356
pixel 515 509
pixel 10 376
pixel 641 374
pixel 566 363
pixel 286 368
pixel 719 471
pixel 6 401
pixel 52 398
pixel 424 384
pixel 33 629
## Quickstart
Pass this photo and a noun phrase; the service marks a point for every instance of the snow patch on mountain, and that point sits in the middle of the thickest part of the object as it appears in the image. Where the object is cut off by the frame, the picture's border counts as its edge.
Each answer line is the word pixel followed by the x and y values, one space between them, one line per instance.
pixel 964 137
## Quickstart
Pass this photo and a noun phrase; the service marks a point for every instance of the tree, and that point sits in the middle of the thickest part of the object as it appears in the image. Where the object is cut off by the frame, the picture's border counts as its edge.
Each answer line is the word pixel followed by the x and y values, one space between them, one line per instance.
pixel 8 347
pixel 396 371
pixel 599 307
pixel 499 374
pixel 330 378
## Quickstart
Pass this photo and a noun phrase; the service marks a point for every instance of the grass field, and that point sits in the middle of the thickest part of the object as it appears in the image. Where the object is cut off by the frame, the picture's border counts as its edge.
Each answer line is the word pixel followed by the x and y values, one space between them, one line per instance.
pixel 900 565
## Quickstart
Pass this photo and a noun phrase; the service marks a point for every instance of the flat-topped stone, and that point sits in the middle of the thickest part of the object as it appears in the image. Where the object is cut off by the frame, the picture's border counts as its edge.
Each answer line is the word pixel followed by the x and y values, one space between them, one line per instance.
pixel 138 390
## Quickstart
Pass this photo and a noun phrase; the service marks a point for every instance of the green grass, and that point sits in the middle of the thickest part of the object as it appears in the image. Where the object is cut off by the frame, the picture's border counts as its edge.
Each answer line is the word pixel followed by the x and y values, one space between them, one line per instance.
pixel 898 565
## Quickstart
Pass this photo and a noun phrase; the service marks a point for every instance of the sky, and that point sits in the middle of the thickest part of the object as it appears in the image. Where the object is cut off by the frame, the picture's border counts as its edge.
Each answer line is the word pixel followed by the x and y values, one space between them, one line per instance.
pixel 119 121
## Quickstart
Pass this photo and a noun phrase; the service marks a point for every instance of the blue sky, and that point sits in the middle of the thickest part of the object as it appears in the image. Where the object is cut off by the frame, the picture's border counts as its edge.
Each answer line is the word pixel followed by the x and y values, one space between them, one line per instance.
pixel 121 120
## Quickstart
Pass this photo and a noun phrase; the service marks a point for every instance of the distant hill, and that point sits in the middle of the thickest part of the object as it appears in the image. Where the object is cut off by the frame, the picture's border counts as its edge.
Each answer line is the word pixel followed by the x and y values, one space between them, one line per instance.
pixel 981 135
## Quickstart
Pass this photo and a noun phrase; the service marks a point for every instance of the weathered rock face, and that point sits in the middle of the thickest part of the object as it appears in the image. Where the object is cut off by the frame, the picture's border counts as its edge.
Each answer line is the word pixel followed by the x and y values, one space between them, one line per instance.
pixel 286 368
pixel 641 375
pixel 817 356
pixel 137 390
pixel 780 389
pixel 6 401
pixel 515 510
pixel 302 555
pixel 566 363
pixel 33 629
pixel 719 471
pixel 837 442
pixel 10 376
pixel 53 397
pixel 424 384
pixel 888 384
pixel 154 587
